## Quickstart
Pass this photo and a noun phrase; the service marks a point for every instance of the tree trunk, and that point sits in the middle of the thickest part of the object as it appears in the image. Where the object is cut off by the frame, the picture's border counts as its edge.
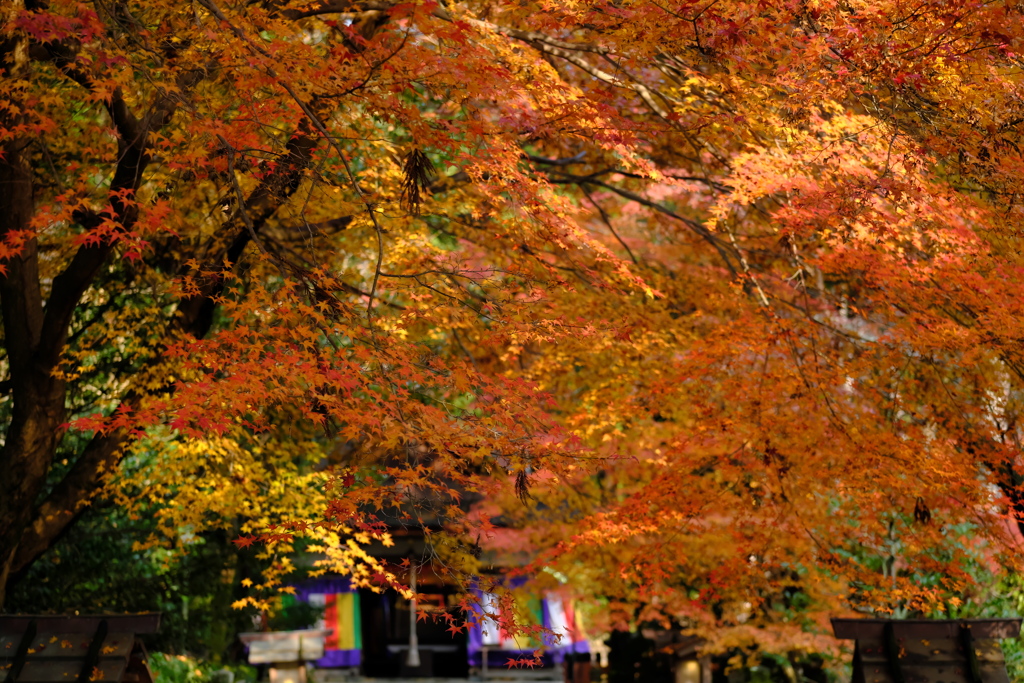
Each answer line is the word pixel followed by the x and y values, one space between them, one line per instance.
pixel 32 433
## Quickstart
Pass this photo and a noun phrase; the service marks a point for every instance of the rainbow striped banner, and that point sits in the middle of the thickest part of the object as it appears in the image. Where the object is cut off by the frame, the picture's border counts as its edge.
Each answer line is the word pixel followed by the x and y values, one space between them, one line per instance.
pixel 341 615
pixel 343 648
pixel 552 612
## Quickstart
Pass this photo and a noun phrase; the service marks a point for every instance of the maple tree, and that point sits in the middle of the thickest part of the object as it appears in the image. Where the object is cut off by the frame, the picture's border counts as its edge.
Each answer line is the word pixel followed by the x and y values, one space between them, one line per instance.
pixel 731 287
pixel 825 382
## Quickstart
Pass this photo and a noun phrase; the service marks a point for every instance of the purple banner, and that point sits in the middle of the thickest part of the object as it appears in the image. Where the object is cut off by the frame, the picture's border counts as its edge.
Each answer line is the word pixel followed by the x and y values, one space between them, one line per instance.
pixel 339 658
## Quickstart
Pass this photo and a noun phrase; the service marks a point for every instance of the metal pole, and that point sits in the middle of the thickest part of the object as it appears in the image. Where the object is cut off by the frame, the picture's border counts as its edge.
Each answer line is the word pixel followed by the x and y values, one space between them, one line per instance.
pixel 413 659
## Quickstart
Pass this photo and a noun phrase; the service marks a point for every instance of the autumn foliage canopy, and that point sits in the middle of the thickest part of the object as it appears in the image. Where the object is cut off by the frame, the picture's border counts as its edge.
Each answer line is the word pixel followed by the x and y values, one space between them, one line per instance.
pixel 716 303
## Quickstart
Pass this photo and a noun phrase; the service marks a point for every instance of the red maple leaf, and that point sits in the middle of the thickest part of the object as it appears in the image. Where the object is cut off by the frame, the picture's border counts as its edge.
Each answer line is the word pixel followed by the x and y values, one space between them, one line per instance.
pixel 244 541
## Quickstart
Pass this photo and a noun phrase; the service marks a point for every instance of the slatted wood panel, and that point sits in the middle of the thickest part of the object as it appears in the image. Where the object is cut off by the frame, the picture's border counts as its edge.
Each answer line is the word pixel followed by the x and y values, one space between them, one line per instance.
pixel 62 648
pixel 64 670
pixel 928 651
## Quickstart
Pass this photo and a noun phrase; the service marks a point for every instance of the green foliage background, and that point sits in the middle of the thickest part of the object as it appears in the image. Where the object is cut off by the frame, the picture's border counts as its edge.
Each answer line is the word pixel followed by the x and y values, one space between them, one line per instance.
pixel 192 583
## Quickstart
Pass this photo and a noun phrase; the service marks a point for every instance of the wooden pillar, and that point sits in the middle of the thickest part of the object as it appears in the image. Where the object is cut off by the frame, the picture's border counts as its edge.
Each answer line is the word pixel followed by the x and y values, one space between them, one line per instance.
pixel 413 658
